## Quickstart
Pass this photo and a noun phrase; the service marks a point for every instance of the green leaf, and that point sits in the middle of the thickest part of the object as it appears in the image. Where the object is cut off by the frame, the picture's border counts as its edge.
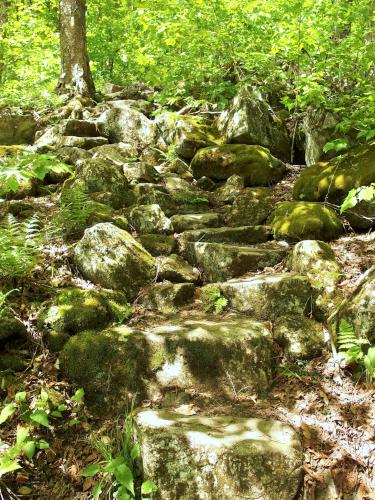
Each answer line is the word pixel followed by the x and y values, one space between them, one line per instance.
pixel 135 451
pixel 7 412
pixel 125 477
pixel 40 417
pixel 29 449
pixel 44 395
pixel 22 434
pixel 20 397
pixel 7 465
pixel 43 444
pixel 78 396
pixel 97 490
pixel 91 470
pixel 148 487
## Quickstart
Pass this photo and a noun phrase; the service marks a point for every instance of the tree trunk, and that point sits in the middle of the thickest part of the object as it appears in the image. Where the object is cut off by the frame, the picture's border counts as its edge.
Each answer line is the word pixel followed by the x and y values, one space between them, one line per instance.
pixel 76 74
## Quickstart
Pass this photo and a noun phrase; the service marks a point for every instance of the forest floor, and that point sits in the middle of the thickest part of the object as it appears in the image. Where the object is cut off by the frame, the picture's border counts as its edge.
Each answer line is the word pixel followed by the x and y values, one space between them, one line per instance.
pixel 334 415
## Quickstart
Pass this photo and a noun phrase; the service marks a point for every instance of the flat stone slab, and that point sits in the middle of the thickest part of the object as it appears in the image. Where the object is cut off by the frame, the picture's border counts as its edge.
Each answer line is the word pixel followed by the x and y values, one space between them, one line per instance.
pixel 222 262
pixel 248 235
pixel 269 297
pixel 226 458
pixel 207 353
pixel 195 221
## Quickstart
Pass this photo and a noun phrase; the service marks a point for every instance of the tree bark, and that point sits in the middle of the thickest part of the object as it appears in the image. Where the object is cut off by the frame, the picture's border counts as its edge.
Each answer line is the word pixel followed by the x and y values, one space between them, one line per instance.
pixel 76 74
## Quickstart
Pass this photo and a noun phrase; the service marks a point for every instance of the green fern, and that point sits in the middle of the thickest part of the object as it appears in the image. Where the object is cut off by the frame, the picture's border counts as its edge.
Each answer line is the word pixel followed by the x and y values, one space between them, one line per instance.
pixel 75 209
pixel 213 300
pixel 20 245
pixel 122 312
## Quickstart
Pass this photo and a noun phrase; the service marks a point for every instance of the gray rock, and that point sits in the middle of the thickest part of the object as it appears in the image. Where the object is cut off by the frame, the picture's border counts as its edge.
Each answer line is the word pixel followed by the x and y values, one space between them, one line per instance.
pixel 139 171
pixel 112 258
pixel 174 268
pixel 317 260
pixel 250 120
pixel 79 128
pixel 270 296
pixel 195 221
pixel 220 262
pixel 158 244
pixel 300 337
pixel 206 458
pixel 72 156
pixel 127 125
pixel 150 219
pixel 98 175
pixel 157 197
pixel 230 190
pixel 167 298
pixel 248 235
pixel 252 206
pixel 254 164
pixel 318 127
pixel 116 153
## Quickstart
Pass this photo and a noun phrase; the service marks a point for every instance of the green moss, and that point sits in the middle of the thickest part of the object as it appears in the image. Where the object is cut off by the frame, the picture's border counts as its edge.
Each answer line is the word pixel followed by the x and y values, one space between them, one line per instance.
pixel 110 365
pixel 11 362
pixel 56 340
pixel 305 220
pixel 11 150
pixel 333 179
pixel 158 244
pixel 75 310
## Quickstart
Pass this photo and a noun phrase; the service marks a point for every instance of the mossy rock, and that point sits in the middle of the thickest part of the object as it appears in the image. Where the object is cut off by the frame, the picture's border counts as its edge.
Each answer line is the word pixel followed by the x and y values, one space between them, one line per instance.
pixel 167 298
pixel 11 150
pixel 332 180
pixel 199 457
pixel 11 327
pixel 111 257
pixel 254 163
pixel 251 207
pixel 300 338
pixel 158 244
pixel 12 362
pixel 75 310
pixel 305 220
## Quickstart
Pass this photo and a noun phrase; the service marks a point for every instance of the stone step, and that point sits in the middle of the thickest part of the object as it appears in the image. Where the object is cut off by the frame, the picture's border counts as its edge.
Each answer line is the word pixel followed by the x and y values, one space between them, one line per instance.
pixel 248 235
pixel 221 262
pixel 269 297
pixel 81 142
pixel 219 457
pixel 203 353
pixel 79 128
pixel 184 222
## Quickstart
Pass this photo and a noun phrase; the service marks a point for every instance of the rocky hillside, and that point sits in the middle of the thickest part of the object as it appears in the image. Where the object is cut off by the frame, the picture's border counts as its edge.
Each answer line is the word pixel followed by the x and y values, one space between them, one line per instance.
pixel 195 268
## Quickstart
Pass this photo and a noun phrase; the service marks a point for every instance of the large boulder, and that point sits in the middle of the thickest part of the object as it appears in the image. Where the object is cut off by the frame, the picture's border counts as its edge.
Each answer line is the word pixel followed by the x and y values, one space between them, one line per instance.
pixel 167 298
pixel 269 296
pixel 16 127
pixel 11 327
pixel 158 244
pixel 317 260
pixel 201 353
pixel 250 120
pixel 112 258
pixel 150 219
pixel 174 268
pixel 202 458
pixel 128 125
pixel 220 262
pixel 332 180
pixel 300 338
pixel 185 133
pixel 254 163
pixel 103 176
pixel 183 222
pixel 299 220
pixel 359 308
pixel 318 128
pixel 251 206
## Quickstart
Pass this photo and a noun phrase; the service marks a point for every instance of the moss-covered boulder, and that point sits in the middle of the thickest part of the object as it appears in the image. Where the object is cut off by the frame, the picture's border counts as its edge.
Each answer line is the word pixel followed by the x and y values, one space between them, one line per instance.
pixel 269 296
pixel 332 180
pixel 98 176
pixel 158 244
pixel 359 308
pixel 167 298
pixel 300 338
pixel 228 192
pixel 199 458
pixel 220 262
pixel 140 171
pixel 116 153
pixel 186 134
pixel 317 260
pixel 11 327
pixel 74 310
pixel 254 163
pixel 251 207
pixel 301 220
pixel 117 364
pixel 156 196
pixel 150 219
pixel 111 257
pixel 174 268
